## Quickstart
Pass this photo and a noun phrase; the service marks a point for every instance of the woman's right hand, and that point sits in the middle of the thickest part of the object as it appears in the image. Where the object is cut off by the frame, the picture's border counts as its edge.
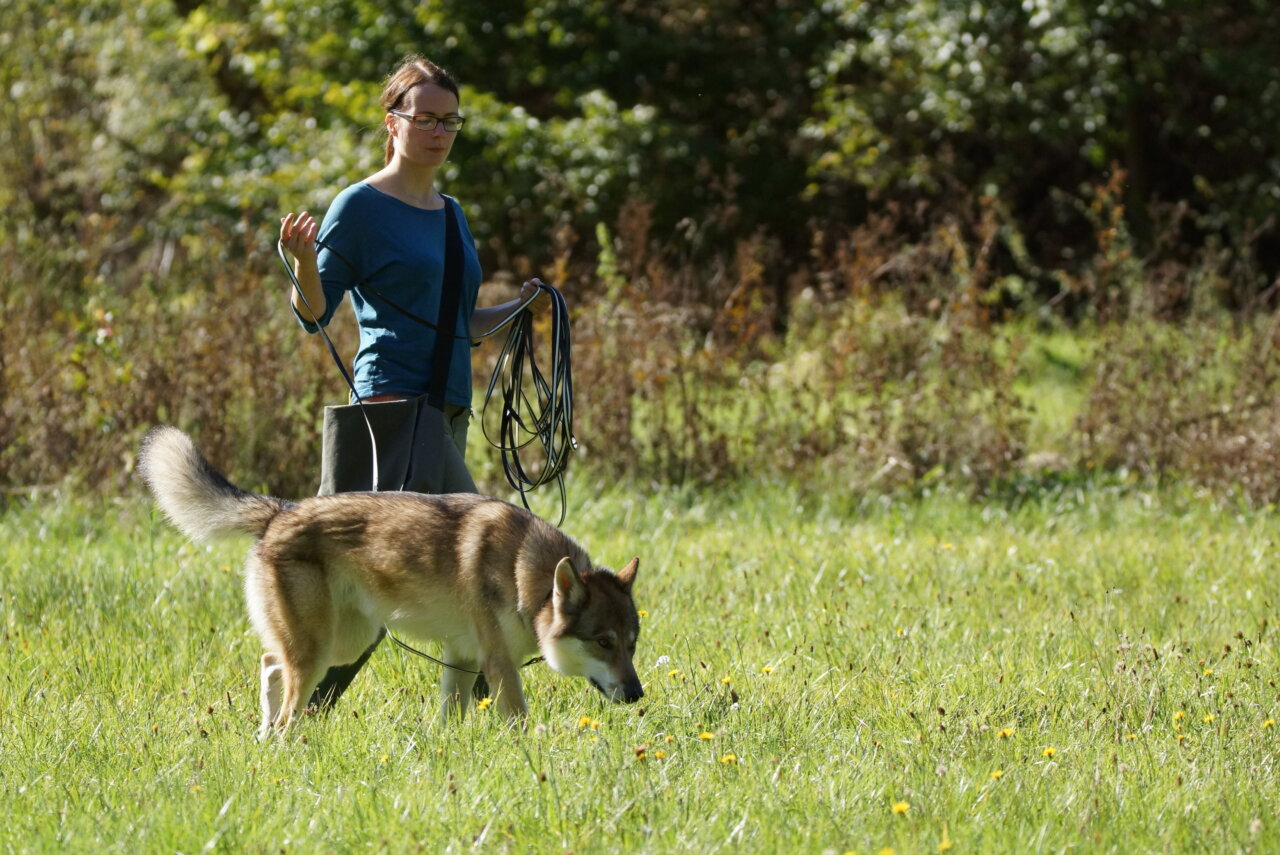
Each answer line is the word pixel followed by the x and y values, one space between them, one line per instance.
pixel 298 235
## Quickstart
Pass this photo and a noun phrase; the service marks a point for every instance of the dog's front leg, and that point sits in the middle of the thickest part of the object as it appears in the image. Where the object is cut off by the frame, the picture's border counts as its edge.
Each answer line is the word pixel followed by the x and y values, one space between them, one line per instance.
pixel 455 688
pixel 504 682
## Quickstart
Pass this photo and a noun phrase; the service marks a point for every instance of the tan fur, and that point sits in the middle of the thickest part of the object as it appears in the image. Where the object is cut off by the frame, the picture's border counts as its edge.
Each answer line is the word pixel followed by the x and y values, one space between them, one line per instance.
pixel 493 583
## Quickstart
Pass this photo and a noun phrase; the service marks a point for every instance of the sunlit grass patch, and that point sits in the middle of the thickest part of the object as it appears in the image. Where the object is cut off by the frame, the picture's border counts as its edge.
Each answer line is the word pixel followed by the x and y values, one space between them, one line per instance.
pixel 813 681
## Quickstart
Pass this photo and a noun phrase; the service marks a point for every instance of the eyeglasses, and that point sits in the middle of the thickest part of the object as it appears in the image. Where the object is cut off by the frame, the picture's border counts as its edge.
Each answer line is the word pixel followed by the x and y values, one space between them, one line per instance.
pixel 452 124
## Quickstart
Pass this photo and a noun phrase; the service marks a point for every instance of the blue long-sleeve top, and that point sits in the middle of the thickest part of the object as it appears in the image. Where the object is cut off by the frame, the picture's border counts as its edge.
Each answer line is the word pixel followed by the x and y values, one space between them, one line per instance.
pixel 399 250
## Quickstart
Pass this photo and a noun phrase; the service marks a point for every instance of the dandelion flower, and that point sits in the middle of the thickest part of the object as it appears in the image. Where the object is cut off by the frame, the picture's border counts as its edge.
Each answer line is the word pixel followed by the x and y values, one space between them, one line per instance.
pixel 642 613
pixel 384 758
pixel 766 670
pixel 996 773
pixel 726 679
pixel 1179 715
pixel 195 788
pixel 641 751
pixel 673 672
pixel 483 703
pixel 659 754
pixel 706 736
pixel 1050 751
pixel 1208 672
pixel 901 807
pixel 1180 737
pixel 585 721
pixel 1006 733
pixel 729 759
pixel 1131 736
pixel 1209 718
pixel 944 844
pixel 1271 722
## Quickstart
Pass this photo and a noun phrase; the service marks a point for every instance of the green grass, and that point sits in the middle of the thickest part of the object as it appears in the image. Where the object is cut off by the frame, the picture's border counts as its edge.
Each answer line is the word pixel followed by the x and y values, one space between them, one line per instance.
pixel 846 654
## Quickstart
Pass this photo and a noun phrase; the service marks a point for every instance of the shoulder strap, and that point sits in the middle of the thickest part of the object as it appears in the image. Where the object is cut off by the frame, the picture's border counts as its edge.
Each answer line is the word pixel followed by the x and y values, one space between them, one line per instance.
pixel 446 318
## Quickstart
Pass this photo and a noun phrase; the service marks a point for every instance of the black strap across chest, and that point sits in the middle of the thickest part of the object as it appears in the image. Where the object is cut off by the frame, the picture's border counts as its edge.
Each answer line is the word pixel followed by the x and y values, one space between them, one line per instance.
pixel 446 316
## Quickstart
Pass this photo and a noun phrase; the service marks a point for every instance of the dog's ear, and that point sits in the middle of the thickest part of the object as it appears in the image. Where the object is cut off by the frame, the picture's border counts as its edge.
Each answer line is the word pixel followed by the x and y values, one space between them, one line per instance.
pixel 627 575
pixel 569 592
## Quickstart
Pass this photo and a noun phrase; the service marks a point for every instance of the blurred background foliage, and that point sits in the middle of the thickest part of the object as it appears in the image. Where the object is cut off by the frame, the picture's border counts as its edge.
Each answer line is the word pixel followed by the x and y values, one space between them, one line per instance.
pixel 794 232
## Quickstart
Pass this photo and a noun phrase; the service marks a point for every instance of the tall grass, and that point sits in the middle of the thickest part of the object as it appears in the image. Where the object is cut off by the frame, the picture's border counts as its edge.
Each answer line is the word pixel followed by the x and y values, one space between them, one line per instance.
pixel 1089 668
pixel 909 355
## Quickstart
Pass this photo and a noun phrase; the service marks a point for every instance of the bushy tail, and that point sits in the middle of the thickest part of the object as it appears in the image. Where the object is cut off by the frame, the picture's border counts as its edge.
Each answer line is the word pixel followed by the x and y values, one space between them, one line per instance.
pixel 197 498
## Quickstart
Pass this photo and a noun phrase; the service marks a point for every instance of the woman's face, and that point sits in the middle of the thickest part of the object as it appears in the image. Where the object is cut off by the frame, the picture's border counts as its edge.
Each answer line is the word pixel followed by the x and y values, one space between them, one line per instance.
pixel 429 148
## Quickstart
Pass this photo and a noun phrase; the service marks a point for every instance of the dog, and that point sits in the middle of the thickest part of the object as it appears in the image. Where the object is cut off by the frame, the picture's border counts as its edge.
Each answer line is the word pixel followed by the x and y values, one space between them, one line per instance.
pixel 490 581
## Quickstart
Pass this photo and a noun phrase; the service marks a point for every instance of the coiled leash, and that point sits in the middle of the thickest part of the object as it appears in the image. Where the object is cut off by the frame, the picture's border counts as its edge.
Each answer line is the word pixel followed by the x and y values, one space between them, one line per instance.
pixel 545 418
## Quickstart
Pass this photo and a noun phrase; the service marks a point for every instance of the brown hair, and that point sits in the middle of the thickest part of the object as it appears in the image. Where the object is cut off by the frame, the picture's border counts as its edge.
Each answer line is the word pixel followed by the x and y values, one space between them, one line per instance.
pixel 412 71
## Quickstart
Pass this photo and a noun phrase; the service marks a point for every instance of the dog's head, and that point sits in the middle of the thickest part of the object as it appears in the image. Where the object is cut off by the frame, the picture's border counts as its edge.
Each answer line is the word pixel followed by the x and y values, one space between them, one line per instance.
pixel 594 629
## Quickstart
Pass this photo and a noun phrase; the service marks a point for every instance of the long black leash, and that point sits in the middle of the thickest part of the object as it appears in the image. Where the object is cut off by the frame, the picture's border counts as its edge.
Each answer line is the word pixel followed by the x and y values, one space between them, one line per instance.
pixel 416 652
pixel 549 419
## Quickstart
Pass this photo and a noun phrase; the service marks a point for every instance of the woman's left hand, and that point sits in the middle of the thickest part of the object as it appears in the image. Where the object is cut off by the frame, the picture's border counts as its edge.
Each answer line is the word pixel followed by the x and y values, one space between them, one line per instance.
pixel 541 302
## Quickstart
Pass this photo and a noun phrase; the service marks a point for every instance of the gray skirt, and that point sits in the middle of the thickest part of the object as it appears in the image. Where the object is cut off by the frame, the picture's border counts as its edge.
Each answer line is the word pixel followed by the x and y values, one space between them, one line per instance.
pixel 420 448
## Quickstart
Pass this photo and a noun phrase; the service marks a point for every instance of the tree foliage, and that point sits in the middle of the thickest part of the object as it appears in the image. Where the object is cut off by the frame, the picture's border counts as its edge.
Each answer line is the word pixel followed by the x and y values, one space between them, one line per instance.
pixel 786 116
pixel 710 165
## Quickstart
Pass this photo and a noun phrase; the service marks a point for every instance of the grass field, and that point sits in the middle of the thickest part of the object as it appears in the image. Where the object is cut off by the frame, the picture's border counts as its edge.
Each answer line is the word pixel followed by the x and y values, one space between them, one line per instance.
pixel 1091 671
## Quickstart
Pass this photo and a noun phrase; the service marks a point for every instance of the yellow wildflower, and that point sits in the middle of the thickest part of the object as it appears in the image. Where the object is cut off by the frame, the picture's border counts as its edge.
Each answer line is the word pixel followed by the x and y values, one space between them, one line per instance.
pixel 901 807
pixel 1006 733
pixel 996 773
pixel 729 759
pixel 1050 751
pixel 483 703
pixel 706 736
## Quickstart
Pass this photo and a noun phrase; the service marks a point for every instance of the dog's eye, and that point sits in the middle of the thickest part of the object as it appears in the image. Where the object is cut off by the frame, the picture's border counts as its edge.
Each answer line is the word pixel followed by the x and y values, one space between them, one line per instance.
pixel 605 643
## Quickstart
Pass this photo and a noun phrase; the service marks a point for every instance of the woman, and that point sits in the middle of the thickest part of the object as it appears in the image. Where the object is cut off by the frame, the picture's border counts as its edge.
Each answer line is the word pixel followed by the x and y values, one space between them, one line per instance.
pixel 388 232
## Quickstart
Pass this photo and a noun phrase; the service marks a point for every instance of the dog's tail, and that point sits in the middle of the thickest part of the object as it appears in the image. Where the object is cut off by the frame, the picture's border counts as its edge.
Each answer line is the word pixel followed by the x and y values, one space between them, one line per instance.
pixel 197 498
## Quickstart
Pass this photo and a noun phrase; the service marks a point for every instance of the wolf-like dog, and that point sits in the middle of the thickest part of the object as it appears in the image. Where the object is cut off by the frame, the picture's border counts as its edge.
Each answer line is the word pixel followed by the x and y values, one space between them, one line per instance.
pixel 490 581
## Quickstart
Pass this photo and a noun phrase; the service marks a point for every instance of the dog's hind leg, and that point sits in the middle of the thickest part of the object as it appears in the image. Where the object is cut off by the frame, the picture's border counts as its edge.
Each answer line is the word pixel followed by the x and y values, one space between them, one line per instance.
pixel 293 612
pixel 272 670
